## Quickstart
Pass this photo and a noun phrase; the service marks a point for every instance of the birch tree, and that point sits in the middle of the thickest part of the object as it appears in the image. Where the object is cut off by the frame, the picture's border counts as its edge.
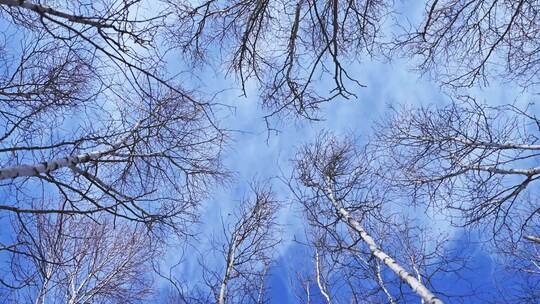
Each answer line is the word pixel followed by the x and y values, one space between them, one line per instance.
pixel 339 272
pixel 357 231
pixel 65 259
pixel 90 115
pixel 236 268
pixel 310 279
pixel 474 159
pixel 518 262
pixel 470 42
pixel 249 241
pixel 476 164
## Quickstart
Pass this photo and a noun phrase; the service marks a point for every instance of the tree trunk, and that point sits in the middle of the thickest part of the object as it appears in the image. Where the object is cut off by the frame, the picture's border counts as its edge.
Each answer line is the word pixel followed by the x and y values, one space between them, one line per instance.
pixel 407 277
pixel 69 161
pixel 228 270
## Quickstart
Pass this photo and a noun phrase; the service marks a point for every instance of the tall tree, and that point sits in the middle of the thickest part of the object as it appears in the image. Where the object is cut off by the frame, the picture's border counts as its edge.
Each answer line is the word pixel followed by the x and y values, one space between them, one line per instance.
pixel 356 229
pixel 478 165
pixel 66 259
pixel 90 115
pixel 236 268
pixel 476 160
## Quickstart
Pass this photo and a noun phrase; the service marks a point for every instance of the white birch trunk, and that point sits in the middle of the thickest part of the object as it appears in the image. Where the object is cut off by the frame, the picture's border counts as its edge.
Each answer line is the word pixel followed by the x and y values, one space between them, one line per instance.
pixel 483 144
pixel 418 276
pixel 407 277
pixel 381 283
pixel 319 281
pixel 48 166
pixel 308 292
pixel 40 299
pixel 532 238
pixel 260 296
pixel 69 161
pixel 228 270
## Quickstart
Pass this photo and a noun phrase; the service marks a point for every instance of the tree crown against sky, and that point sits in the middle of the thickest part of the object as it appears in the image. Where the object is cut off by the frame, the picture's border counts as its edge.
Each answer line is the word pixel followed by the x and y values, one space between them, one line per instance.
pixel 106 147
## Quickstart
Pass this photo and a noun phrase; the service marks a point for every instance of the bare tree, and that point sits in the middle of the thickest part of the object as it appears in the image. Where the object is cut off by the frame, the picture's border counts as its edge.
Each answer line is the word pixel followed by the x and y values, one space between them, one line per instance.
pixel 286 46
pixel 89 115
pixel 467 157
pixel 236 267
pixel 518 264
pixel 113 33
pixel 467 42
pixel 476 164
pixel 66 259
pixel 356 229
pixel 310 279
pixel 342 271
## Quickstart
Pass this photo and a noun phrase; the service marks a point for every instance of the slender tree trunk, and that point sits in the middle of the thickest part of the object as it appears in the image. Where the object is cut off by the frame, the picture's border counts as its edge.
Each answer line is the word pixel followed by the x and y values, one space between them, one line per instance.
pixel 69 161
pixel 319 281
pixel 418 276
pixel 260 296
pixel 228 270
pixel 407 277
pixel 381 283
pixel 532 238
pixel 40 299
pixel 48 166
pixel 43 9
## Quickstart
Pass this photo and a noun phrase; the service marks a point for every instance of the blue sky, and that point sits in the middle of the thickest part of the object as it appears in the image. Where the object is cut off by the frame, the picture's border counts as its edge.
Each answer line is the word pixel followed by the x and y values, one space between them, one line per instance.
pixel 254 152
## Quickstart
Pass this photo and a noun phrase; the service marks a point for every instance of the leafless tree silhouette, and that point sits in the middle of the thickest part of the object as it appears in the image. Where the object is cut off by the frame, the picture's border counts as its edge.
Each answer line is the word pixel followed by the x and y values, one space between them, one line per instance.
pixel 66 259
pixel 467 42
pixel 476 164
pixel 244 250
pixel 360 245
pixel 286 46
pixel 90 116
pixel 477 159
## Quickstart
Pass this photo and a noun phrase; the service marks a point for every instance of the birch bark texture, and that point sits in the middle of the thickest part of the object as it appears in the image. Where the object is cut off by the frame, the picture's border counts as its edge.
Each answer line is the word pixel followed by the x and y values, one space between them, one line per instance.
pixel 477 164
pixel 329 164
pixel 406 276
